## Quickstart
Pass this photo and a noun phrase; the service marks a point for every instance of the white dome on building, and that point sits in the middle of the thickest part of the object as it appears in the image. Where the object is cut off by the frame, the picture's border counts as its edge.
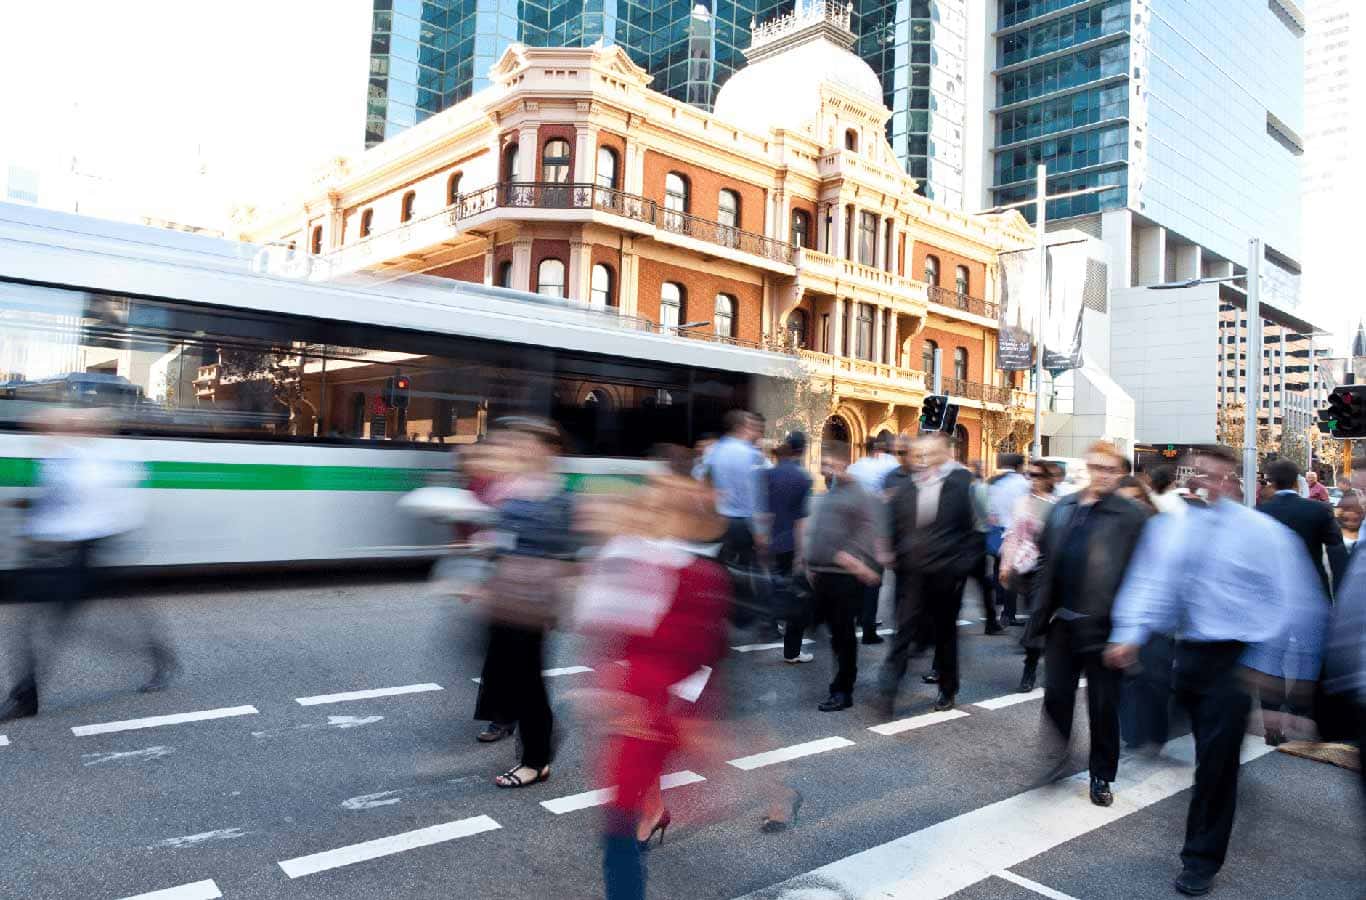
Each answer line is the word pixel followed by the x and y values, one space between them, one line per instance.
pixel 791 57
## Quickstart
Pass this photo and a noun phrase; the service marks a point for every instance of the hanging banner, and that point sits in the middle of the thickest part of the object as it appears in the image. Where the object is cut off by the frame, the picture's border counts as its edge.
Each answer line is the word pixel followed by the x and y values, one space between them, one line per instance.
pixel 1019 307
pixel 1072 277
pixel 1067 270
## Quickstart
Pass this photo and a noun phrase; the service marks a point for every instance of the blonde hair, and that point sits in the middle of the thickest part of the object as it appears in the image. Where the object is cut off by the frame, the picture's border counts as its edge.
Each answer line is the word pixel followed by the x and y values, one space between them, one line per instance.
pixel 1105 448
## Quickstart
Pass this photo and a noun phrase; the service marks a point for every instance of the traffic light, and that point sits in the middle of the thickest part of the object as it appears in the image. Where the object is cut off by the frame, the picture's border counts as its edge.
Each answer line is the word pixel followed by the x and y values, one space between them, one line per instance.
pixel 1345 415
pixel 938 414
pixel 396 391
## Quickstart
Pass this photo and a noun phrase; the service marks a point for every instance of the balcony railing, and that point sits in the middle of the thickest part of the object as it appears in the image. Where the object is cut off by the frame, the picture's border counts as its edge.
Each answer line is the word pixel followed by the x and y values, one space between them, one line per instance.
pixel 975 390
pixel 911 378
pixel 548 195
pixel 967 303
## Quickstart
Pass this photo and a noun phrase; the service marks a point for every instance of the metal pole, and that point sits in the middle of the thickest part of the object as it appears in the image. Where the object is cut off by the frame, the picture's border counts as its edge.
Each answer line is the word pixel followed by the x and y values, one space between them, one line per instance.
pixel 938 370
pixel 1252 403
pixel 1040 214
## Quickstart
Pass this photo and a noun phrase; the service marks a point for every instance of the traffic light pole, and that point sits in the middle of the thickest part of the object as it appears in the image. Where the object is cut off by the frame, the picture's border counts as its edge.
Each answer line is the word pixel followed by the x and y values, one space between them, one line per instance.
pixel 1252 405
pixel 1040 215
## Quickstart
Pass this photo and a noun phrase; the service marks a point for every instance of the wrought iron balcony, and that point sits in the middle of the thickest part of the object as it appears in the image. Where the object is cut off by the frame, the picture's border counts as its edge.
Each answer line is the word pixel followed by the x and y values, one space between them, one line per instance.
pixel 974 390
pixel 966 302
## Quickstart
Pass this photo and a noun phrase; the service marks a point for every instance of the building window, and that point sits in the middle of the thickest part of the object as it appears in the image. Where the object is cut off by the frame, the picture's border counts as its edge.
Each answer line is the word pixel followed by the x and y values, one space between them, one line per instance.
pixel 851 140
pixel 728 209
pixel 801 228
pixel 676 201
pixel 960 444
pixel 315 241
pixel 504 274
pixel 723 321
pixel 607 168
pixel 960 364
pixel 960 280
pixel 797 327
pixel 512 163
pixel 867 238
pixel 367 222
pixel 453 189
pixel 670 305
pixel 555 162
pixel 550 278
pixel 863 332
pixel 405 213
pixel 932 270
pixel 600 289
pixel 927 359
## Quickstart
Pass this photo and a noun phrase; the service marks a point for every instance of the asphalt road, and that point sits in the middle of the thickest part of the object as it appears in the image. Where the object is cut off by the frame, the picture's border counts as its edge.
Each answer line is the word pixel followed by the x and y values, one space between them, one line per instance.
pixel 389 796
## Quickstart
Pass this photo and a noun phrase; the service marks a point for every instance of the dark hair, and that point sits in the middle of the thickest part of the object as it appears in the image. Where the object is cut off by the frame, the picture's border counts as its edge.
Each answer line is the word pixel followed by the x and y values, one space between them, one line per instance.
pixel 1162 477
pixel 1283 474
pixel 1129 481
pixel 835 450
pixel 795 442
pixel 1219 452
pixel 1011 461
pixel 1055 470
pixel 1127 464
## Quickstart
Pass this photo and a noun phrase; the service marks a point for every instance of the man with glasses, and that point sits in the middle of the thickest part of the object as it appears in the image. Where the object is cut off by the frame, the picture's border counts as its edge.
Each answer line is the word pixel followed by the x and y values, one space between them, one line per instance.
pixel 1085 547
pixel 1236 589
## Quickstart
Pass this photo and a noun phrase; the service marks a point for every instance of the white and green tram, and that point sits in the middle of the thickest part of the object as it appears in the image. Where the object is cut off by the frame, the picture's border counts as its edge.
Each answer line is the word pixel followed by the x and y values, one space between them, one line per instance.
pixel 280 419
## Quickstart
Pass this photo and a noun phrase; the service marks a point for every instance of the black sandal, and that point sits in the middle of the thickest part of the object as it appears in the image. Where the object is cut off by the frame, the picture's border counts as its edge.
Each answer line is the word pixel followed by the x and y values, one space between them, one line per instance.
pixel 510 778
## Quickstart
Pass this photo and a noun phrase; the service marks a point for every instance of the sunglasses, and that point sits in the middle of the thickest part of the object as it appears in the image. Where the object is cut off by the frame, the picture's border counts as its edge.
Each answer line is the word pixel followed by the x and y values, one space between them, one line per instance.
pixel 1038 474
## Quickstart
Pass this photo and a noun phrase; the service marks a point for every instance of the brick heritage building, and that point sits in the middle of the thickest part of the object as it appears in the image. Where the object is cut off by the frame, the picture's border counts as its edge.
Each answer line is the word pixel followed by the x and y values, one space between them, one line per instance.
pixel 782 220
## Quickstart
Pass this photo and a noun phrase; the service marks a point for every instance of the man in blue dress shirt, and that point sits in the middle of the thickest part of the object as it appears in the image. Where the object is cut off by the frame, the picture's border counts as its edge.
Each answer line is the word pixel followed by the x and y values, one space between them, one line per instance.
pixel 1235 588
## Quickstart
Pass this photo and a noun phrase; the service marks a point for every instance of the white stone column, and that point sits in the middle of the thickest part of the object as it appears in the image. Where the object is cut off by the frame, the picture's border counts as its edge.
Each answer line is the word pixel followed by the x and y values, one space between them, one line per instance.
pixel 1152 255
pixel 628 281
pixel 521 264
pixel 893 340
pixel 528 154
pixel 880 336
pixel 851 329
pixel 836 347
pixel 633 168
pixel 585 157
pixel 580 271
pixel 880 244
pixel 837 227
pixel 489 267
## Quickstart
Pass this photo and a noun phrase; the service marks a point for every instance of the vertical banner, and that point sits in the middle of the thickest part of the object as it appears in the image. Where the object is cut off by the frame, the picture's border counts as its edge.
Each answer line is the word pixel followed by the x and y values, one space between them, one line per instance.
pixel 1070 277
pixel 1019 308
pixel 1067 269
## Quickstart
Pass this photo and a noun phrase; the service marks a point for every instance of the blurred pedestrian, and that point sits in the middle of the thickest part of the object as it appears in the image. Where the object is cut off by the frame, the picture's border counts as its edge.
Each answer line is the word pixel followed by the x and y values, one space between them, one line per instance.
pixel 787 489
pixel 533 543
pixel 1004 493
pixel 733 466
pixel 937 545
pixel 86 498
pixel 1349 520
pixel 1166 492
pixel 841 560
pixel 1019 560
pixel 1220 578
pixel 1312 522
pixel 1132 488
pixel 871 473
pixel 1086 545
pixel 1316 489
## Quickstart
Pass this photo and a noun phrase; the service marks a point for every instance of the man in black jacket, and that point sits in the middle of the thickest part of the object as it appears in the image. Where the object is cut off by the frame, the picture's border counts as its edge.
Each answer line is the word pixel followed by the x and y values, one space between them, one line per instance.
pixel 936 545
pixel 1311 521
pixel 1084 551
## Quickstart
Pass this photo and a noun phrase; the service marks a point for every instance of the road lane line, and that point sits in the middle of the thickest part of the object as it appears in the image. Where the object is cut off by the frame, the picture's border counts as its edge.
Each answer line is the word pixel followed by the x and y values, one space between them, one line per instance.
pixel 556 673
pixel 914 722
pixel 602 796
pixel 386 846
pixel 4 741
pixel 202 715
pixel 1034 886
pixel 1011 699
pixel 783 754
pixel 367 695
pixel 199 890
pixel 954 854
pixel 774 645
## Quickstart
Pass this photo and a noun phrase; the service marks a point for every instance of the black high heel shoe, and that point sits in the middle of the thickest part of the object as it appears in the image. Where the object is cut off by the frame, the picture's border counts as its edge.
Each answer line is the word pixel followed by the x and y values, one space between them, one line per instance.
pixel 661 825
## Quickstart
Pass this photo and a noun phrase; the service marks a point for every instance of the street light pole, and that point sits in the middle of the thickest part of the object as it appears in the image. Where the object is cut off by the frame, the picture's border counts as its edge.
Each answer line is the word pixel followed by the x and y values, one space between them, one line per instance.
pixel 1040 214
pixel 1252 404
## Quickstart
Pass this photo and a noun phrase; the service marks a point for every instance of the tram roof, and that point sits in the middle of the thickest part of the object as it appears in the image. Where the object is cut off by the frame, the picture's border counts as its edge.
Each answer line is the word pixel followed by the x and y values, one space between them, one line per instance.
pixel 84 252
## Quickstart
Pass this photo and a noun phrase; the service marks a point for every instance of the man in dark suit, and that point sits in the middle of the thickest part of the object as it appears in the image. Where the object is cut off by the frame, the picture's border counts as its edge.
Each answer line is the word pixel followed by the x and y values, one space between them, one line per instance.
pixel 936 543
pixel 1311 521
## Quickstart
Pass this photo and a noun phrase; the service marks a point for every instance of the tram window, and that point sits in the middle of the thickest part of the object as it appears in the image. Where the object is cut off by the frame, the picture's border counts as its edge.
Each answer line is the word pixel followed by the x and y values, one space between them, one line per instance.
pixel 175 369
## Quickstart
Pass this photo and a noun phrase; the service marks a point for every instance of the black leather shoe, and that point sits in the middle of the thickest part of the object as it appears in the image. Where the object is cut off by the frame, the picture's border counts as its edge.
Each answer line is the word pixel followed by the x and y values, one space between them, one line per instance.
pixel 836 702
pixel 944 702
pixel 1100 792
pixel 931 678
pixel 874 639
pixel 1192 884
pixel 1026 682
pixel 18 708
pixel 995 628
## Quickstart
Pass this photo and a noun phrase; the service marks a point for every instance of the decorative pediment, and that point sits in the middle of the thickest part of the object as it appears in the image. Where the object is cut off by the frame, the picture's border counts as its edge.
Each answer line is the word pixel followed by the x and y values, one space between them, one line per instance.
pixel 513 60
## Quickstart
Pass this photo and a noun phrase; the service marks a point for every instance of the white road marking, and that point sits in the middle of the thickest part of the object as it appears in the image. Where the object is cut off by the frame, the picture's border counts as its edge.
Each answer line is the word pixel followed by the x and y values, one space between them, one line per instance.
pixel 1034 886
pixel 370 801
pixel 1012 699
pixel 957 853
pixel 367 695
pixel 962 622
pixel 352 721
pixel 773 645
pixel 4 741
pixel 386 846
pixel 914 722
pixel 602 796
pixel 564 670
pixel 194 840
pixel 783 754
pixel 95 759
pixel 200 890
pixel 157 721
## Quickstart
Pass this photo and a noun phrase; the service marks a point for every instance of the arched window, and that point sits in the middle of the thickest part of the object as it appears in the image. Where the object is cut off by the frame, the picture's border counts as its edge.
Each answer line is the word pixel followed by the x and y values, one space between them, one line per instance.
pixel 555 161
pixel 932 270
pixel 550 278
pixel 728 209
pixel 512 163
pixel 960 444
pixel 453 189
pixel 960 363
pixel 405 212
pixel 798 327
pixel 367 222
pixel 676 201
pixel 670 305
pixel 851 139
pixel 607 168
pixel 315 241
pixel 723 320
pixel 863 331
pixel 801 228
pixel 960 279
pixel 504 278
pixel 600 290
pixel 927 358
pixel 597 399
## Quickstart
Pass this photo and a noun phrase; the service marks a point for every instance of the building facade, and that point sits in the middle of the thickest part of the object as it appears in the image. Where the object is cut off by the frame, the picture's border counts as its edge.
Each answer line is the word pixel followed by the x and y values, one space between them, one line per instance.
pixel 783 220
